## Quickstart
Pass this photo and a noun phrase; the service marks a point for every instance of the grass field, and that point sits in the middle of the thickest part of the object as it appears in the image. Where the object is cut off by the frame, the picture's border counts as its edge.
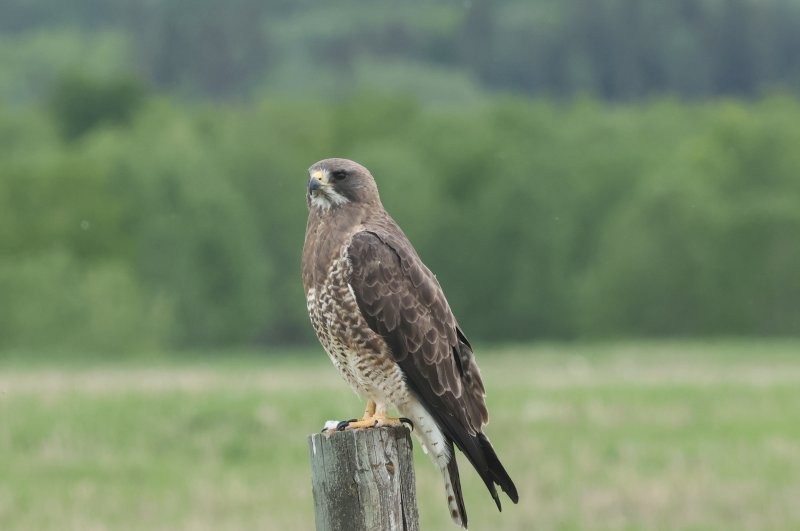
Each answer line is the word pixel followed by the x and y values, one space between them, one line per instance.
pixel 616 436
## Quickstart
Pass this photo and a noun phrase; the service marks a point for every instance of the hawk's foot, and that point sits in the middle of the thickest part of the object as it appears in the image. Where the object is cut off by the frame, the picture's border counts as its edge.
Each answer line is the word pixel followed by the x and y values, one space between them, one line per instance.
pixel 374 421
pixel 374 417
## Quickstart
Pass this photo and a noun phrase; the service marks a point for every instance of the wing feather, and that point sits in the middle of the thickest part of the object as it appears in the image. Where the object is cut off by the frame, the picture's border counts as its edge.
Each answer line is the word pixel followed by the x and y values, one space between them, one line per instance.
pixel 402 301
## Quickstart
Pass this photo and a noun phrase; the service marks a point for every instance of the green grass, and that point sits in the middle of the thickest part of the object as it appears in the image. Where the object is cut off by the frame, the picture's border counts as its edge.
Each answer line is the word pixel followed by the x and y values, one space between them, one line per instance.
pixel 612 436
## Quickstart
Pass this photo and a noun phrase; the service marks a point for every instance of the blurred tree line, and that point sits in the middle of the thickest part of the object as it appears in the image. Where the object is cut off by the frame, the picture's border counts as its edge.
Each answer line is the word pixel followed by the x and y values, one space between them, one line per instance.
pixel 611 49
pixel 129 221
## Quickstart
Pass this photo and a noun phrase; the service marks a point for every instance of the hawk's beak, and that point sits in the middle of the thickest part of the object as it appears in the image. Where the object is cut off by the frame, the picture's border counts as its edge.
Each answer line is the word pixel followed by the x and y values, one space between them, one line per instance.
pixel 317 181
pixel 314 184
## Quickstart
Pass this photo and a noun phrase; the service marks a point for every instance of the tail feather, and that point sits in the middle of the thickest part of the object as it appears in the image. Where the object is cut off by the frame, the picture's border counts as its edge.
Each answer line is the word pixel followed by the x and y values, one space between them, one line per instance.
pixel 496 473
pixel 452 486
pixel 481 454
pixel 438 436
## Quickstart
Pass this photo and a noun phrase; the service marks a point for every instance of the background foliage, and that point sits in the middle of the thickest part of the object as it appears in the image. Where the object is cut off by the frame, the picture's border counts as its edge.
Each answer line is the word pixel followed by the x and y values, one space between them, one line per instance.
pixel 568 170
pixel 616 49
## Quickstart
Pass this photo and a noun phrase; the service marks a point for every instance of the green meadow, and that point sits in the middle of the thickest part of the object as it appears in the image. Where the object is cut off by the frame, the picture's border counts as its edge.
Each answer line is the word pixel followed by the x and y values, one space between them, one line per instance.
pixel 650 435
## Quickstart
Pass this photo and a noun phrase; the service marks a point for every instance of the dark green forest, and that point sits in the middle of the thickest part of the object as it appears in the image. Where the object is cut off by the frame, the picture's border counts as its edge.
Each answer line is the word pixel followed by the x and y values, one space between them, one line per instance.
pixel 445 50
pixel 571 169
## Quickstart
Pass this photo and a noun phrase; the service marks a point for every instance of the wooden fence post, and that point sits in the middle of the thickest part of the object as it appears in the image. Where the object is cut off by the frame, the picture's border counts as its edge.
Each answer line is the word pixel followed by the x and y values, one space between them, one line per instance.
pixel 363 480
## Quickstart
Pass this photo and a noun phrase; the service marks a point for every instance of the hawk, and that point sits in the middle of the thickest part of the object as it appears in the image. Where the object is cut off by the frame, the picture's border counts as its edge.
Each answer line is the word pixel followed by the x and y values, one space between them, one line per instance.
pixel 383 319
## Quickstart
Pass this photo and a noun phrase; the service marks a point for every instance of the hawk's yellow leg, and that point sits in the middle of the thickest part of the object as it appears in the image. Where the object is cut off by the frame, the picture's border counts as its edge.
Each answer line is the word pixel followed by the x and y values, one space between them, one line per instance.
pixel 374 417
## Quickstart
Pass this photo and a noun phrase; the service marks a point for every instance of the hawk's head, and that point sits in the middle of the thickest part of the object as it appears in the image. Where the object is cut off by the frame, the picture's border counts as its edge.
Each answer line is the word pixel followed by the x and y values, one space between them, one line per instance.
pixel 336 182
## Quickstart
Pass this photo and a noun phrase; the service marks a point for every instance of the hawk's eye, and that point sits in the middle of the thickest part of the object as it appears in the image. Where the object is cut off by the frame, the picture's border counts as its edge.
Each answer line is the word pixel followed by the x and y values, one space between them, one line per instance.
pixel 339 175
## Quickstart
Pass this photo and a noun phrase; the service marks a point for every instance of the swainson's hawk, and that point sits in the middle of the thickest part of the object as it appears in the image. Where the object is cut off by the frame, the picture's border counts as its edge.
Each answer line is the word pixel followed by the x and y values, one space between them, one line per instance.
pixel 384 321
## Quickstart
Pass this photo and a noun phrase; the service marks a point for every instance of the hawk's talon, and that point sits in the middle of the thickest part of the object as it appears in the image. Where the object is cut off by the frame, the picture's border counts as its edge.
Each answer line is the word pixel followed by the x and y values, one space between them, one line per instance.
pixel 406 420
pixel 343 424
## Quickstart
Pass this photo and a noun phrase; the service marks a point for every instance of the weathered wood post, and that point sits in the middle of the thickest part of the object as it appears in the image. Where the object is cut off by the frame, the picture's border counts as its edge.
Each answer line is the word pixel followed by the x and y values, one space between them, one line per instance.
pixel 363 480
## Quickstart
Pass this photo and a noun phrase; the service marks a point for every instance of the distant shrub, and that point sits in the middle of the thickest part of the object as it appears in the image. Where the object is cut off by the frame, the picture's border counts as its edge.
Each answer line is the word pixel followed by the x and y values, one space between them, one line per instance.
pixel 80 102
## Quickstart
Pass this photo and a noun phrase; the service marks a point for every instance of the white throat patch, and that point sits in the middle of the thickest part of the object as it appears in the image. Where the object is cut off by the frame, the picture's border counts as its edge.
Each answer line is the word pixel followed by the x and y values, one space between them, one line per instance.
pixel 327 198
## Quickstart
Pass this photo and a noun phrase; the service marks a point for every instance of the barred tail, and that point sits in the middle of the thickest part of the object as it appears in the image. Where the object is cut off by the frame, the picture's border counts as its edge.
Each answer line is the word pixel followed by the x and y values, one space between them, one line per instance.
pixel 452 487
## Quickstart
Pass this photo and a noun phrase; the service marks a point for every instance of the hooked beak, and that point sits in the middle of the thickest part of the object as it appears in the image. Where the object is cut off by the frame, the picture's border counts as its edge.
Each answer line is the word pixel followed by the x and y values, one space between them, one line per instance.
pixel 314 184
pixel 317 181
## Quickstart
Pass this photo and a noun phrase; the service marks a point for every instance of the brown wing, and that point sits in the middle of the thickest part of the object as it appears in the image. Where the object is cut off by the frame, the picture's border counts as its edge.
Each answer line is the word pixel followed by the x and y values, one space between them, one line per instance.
pixel 402 301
